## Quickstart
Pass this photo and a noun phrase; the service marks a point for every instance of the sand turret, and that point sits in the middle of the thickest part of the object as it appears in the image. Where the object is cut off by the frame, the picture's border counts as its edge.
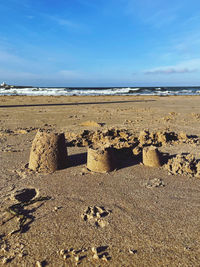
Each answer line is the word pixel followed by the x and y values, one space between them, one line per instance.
pixel 151 157
pixel 101 159
pixel 48 152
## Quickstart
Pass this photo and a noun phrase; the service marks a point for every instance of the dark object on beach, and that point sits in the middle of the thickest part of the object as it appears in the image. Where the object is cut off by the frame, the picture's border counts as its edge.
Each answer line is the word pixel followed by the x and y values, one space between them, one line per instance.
pixel 18 210
pixel 25 194
pixel 48 152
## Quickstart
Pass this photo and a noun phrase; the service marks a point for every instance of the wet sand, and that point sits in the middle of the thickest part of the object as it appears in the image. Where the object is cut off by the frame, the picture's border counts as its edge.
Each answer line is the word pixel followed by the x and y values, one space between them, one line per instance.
pixel 148 217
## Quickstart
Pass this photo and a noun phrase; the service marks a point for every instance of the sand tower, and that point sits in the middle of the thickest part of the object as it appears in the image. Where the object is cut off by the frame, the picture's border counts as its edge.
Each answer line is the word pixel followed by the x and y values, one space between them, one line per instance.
pixel 48 152
pixel 151 157
pixel 101 159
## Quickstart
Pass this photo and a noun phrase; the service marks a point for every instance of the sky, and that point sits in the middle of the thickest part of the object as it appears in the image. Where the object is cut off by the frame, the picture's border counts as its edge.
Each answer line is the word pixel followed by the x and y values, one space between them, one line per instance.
pixel 100 42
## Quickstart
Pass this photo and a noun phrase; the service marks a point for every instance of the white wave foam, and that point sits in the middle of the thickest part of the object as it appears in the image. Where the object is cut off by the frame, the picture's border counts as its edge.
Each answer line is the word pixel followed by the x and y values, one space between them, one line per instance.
pixel 42 91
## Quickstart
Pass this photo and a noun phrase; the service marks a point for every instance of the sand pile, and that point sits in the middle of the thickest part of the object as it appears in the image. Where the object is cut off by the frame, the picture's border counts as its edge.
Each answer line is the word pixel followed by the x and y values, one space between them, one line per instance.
pixel 113 137
pixel 17 130
pixel 48 152
pixel 183 164
pixel 121 138
pixel 91 124
pixel 160 138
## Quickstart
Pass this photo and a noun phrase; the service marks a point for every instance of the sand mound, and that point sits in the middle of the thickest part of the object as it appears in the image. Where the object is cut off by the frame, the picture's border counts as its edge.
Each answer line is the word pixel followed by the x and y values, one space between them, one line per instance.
pixel 182 164
pixel 113 137
pixel 91 124
pixel 48 152
pixel 123 138
pixel 157 138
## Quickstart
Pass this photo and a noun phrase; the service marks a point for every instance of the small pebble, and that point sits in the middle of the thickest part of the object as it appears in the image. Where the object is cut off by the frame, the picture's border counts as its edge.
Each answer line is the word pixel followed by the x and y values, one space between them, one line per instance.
pixel 5 260
pixel 132 251
pixel 76 258
pixel 62 252
pixel 104 258
pixel 38 264
pixel 65 257
pixel 94 250
pixel 4 250
pixel 73 252
pixel 95 256
pixel 187 248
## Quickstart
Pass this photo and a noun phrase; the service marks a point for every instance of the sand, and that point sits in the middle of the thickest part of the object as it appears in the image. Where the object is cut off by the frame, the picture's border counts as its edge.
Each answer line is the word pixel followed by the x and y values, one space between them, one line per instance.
pixel 133 216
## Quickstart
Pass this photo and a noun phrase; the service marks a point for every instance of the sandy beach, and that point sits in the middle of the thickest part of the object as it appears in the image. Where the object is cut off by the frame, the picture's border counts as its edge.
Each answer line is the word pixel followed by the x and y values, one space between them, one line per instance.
pixel 133 216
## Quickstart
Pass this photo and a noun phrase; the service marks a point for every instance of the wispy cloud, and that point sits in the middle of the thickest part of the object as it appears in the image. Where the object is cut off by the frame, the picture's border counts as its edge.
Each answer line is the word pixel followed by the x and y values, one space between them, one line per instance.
pixel 7 57
pixel 187 66
pixel 151 13
pixel 161 18
pixel 30 17
pixel 170 71
pixel 66 23
pixel 71 74
pixel 63 22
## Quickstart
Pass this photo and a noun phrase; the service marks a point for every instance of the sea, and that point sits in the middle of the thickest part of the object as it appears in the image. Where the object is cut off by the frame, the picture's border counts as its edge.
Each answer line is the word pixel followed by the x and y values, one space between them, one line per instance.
pixel 98 91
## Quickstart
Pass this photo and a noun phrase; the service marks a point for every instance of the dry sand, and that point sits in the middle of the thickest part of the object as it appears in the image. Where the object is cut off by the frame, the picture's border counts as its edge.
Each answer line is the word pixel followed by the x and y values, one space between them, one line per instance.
pixel 133 216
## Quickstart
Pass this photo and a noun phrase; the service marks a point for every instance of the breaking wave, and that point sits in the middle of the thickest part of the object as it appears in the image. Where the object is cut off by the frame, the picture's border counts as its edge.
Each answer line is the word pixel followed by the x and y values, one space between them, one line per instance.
pixel 84 91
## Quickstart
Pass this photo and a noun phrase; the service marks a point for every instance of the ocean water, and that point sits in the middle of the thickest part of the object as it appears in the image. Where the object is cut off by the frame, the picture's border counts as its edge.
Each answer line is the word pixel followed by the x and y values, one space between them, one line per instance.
pixel 81 91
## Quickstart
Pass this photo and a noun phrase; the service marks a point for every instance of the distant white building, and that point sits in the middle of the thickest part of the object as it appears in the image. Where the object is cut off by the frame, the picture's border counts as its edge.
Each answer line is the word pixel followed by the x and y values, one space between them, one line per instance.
pixel 3 84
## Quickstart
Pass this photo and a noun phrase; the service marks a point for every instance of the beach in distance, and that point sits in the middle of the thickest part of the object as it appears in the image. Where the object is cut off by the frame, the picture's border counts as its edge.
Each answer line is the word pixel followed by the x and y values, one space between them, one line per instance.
pixel 138 213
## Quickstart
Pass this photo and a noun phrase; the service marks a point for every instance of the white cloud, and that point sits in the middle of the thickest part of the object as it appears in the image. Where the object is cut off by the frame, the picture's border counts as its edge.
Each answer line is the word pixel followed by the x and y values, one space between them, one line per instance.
pixel 170 71
pixel 187 66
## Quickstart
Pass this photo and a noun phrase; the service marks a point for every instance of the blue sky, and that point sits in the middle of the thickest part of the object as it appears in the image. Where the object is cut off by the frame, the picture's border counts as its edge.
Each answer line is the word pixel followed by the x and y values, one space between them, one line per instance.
pixel 100 42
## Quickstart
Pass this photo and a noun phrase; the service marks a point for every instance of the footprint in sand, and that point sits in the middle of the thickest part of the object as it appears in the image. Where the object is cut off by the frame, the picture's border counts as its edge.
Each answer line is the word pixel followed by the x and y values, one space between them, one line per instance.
pixel 94 215
pixel 101 253
pixel 25 194
pixel 78 256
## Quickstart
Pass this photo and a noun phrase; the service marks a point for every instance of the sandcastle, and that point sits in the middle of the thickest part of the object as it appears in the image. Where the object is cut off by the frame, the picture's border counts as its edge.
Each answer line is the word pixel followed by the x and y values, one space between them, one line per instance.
pixel 151 157
pixel 48 152
pixel 100 159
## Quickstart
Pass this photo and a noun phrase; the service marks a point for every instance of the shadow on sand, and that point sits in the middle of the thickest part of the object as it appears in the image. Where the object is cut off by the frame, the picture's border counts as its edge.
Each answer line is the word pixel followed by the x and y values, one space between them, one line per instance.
pixel 73 104
pixel 77 159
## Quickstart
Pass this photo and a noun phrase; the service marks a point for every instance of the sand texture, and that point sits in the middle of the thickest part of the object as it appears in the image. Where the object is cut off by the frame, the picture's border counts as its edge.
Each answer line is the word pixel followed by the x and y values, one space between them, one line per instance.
pixel 60 213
